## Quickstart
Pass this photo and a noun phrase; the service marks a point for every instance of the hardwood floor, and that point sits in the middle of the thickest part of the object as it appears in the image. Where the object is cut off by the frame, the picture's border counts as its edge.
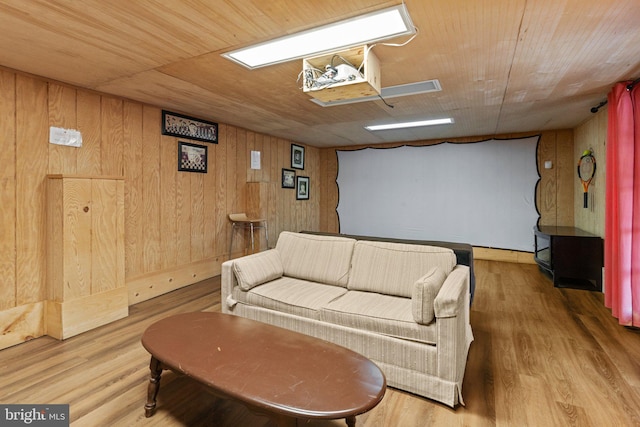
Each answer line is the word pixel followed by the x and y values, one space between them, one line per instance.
pixel 542 356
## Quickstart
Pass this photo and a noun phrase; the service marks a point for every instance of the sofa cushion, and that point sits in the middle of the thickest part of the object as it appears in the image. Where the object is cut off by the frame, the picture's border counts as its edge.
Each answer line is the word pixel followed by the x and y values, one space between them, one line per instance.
pixel 393 268
pixel 323 259
pixel 256 269
pixel 425 290
pixel 378 313
pixel 293 296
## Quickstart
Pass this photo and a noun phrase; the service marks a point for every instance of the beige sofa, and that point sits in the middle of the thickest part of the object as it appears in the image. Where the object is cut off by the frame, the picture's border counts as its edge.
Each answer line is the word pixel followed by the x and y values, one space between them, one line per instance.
pixel 405 307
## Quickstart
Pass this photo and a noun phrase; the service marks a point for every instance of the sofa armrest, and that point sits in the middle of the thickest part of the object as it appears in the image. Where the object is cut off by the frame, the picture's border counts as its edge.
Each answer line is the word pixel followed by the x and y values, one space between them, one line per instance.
pixel 454 292
pixel 227 282
pixel 425 290
pixel 454 333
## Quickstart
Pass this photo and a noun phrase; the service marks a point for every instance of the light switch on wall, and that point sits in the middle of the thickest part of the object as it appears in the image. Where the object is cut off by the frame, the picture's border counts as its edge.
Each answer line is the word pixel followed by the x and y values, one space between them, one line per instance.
pixel 255 160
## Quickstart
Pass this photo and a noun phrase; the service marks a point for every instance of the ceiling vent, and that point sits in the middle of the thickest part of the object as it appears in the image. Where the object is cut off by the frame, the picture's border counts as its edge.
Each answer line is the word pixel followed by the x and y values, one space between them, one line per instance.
pixel 426 86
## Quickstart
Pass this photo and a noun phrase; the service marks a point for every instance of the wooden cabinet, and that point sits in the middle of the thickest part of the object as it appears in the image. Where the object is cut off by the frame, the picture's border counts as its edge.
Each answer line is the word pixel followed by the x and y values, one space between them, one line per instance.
pixel 573 257
pixel 85 254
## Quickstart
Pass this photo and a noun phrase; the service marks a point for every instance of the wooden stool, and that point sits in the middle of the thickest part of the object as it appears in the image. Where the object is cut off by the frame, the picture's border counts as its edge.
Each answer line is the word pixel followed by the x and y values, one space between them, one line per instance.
pixel 240 220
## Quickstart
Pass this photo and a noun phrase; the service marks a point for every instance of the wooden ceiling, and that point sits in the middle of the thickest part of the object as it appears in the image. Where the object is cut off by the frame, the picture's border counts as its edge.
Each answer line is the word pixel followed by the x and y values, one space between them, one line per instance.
pixel 504 65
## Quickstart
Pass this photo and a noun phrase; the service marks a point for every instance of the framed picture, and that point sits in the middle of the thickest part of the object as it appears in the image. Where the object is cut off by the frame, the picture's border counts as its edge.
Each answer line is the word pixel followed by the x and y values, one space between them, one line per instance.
pixel 174 124
pixel 288 178
pixel 302 188
pixel 192 157
pixel 297 157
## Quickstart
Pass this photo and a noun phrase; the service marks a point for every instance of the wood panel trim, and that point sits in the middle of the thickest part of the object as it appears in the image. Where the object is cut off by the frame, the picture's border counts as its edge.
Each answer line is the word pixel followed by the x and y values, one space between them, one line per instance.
pixel 154 284
pixel 69 318
pixel 21 323
pixel 84 176
pixel 503 255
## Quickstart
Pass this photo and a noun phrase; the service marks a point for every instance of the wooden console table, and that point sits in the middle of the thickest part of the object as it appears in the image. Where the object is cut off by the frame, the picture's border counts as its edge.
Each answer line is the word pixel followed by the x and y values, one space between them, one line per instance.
pixel 573 257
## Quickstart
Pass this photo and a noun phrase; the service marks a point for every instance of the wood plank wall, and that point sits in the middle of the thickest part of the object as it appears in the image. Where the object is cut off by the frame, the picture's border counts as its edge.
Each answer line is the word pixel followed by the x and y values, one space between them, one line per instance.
pixel 176 226
pixel 554 197
pixel 591 135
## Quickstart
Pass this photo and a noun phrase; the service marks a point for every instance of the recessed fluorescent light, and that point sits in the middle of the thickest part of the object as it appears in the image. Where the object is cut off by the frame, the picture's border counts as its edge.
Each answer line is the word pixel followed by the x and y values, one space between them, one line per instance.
pixel 433 122
pixel 365 29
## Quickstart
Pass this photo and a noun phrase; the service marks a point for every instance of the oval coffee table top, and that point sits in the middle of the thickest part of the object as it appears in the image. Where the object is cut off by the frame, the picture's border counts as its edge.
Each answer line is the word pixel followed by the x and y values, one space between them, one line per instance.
pixel 267 367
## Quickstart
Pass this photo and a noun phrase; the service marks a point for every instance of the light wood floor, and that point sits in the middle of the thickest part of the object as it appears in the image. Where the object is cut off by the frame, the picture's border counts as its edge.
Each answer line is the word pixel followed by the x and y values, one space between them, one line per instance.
pixel 542 356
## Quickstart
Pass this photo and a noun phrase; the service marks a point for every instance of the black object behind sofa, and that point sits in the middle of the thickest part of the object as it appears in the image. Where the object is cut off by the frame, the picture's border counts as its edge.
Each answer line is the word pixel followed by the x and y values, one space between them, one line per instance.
pixel 463 251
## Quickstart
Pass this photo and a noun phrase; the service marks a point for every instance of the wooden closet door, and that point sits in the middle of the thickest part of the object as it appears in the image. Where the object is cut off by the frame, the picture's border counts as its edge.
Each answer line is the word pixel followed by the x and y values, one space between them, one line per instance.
pixel 85 254
pixel 76 234
pixel 104 241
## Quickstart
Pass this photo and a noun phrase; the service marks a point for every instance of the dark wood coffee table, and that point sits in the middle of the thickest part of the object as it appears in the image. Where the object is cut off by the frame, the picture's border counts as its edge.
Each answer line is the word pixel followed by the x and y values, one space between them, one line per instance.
pixel 283 374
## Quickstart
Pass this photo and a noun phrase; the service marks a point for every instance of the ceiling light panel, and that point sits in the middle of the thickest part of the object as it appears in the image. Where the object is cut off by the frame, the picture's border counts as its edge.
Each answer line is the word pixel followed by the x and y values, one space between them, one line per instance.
pixel 365 29
pixel 403 125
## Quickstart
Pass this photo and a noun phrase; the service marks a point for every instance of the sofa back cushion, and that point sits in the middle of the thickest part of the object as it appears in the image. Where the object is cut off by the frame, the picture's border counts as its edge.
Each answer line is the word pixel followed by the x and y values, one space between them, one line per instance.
pixel 324 259
pixel 256 269
pixel 393 268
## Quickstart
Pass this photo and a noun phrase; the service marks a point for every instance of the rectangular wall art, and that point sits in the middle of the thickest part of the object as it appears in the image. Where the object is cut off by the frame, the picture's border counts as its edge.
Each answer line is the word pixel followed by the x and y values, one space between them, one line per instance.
pixel 174 124
pixel 302 188
pixel 288 178
pixel 192 157
pixel 297 156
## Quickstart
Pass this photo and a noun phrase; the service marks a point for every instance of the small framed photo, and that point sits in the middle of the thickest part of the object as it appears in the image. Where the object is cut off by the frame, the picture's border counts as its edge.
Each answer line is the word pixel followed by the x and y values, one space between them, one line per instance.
pixel 288 178
pixel 302 188
pixel 174 124
pixel 297 156
pixel 192 157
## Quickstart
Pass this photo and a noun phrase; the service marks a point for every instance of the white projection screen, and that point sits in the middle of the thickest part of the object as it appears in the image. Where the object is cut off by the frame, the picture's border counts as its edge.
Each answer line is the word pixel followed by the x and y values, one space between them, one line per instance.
pixel 481 193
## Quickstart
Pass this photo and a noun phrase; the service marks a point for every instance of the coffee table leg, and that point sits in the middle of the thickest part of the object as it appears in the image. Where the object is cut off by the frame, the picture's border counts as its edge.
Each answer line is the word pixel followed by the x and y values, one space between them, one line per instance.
pixel 351 421
pixel 154 386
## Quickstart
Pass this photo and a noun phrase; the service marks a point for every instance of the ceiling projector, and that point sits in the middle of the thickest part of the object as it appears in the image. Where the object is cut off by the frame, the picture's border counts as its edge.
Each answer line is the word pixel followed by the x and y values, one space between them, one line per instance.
pixel 333 76
pixel 337 74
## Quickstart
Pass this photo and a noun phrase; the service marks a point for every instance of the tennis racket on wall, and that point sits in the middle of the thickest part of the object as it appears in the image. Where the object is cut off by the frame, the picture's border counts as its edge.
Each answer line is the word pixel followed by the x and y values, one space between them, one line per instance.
pixel 586 171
